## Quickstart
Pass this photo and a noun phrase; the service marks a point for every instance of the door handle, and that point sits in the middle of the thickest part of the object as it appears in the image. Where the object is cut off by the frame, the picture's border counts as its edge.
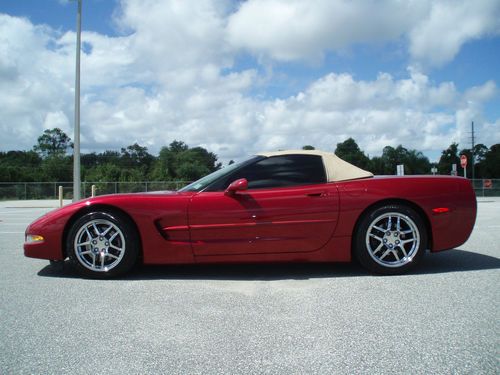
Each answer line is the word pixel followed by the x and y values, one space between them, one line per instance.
pixel 319 194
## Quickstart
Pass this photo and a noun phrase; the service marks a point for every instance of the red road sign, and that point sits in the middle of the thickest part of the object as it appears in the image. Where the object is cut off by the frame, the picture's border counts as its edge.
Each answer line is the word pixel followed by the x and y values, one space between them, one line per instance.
pixel 463 161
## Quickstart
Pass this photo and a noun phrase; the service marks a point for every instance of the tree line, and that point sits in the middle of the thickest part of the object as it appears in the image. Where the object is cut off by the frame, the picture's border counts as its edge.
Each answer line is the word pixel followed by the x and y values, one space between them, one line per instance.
pixel 486 165
pixel 51 160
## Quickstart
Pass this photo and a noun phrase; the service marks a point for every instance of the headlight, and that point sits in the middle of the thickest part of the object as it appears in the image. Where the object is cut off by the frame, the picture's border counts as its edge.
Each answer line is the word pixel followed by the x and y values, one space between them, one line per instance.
pixel 30 238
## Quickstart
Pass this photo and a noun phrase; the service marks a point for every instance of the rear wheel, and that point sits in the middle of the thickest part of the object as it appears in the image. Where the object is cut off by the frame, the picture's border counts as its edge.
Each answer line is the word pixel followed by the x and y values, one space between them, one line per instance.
pixel 390 239
pixel 103 244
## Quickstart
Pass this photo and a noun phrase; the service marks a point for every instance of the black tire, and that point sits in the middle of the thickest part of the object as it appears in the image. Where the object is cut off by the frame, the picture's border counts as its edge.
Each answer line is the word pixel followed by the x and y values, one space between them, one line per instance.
pixel 390 240
pixel 103 245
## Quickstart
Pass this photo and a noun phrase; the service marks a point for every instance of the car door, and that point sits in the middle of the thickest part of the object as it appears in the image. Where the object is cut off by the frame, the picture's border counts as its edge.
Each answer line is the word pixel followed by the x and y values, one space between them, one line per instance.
pixel 288 207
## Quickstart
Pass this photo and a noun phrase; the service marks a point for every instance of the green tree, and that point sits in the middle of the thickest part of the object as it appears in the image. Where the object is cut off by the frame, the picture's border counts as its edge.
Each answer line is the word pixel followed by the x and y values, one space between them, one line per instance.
pixel 179 162
pixel 414 161
pixel 53 142
pixel 449 157
pixel 57 168
pixel 308 147
pixel 350 152
pixel 480 151
pixel 491 162
pixel 20 166
pixel 136 157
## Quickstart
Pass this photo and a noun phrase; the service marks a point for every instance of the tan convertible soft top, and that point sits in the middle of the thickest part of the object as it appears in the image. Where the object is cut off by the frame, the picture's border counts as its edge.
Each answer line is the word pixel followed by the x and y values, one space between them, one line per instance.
pixel 336 168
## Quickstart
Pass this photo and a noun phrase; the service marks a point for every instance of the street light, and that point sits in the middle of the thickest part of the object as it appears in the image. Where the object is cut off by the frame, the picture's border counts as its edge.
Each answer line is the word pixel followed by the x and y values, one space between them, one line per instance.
pixel 76 136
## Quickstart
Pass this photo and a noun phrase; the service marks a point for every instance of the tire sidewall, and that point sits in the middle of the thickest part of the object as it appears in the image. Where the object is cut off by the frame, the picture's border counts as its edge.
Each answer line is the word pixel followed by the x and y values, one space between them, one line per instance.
pixel 131 244
pixel 361 252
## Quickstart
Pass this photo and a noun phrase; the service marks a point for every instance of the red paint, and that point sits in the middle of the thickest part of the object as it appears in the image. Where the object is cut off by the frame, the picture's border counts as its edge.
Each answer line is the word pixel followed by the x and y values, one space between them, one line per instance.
pixel 307 223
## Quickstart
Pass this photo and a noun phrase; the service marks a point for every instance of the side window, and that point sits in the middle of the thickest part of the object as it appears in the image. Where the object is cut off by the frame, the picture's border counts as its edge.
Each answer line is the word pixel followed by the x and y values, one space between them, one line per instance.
pixel 280 171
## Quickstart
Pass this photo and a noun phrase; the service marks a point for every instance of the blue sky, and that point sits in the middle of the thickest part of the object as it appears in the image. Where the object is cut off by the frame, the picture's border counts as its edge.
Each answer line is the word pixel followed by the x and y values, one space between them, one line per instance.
pixel 241 77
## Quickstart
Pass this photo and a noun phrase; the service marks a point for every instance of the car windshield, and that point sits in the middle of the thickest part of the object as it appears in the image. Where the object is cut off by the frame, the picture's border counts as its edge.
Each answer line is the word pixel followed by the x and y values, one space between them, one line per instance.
pixel 203 182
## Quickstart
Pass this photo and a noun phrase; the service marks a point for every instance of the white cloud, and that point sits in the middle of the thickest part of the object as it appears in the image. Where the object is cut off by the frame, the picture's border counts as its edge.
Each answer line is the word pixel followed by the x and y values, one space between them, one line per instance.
pixel 439 36
pixel 375 113
pixel 290 30
pixel 33 81
pixel 170 77
pixel 304 30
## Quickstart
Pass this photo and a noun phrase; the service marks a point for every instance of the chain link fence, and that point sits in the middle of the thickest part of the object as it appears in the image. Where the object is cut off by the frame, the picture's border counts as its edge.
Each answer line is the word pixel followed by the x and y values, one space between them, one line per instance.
pixel 486 187
pixel 49 190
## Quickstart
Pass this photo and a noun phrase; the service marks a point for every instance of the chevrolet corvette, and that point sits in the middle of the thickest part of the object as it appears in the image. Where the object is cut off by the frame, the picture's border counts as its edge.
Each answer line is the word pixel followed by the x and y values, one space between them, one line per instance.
pixel 286 206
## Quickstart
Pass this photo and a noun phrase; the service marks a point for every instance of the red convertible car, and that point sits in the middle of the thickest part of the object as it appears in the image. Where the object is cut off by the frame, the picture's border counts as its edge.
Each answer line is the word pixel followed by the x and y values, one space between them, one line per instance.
pixel 287 206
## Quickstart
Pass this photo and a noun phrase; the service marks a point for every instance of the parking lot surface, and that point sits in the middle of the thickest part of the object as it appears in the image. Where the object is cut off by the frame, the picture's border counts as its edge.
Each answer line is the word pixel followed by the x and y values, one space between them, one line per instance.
pixel 252 319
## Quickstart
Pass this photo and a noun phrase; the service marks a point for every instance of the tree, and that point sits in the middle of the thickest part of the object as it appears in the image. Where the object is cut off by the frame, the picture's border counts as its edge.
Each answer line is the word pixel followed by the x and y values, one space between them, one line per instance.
pixel 180 162
pixel 136 157
pixel 57 168
pixel 480 151
pixel 308 147
pixel 448 157
pixel 53 142
pixel 16 166
pixel 107 172
pixel 491 162
pixel 414 161
pixel 350 152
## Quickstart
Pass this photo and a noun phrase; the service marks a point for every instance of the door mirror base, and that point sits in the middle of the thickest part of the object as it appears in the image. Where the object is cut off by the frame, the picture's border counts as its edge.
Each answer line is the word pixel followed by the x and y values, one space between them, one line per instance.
pixel 235 186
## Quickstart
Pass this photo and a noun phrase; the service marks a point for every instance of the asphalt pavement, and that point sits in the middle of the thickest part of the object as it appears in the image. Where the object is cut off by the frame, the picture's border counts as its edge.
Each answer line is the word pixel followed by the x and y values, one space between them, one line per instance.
pixel 252 319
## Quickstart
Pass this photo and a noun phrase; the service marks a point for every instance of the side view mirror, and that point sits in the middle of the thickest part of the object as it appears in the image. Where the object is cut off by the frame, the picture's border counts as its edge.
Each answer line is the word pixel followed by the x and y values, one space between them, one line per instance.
pixel 235 186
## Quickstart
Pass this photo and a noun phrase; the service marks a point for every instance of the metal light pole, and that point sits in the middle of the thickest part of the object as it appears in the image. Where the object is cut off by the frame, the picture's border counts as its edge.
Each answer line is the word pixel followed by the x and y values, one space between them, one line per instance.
pixel 76 150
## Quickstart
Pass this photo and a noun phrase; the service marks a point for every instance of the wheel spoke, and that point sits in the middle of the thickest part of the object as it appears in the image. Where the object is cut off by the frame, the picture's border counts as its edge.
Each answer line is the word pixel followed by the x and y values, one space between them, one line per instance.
pixel 385 254
pixel 381 244
pixel 403 250
pixel 115 247
pixel 398 224
pixel 107 230
pixel 379 228
pixel 395 253
pixel 96 229
pixel 88 234
pixel 404 242
pixel 389 223
pixel 113 237
pixel 376 237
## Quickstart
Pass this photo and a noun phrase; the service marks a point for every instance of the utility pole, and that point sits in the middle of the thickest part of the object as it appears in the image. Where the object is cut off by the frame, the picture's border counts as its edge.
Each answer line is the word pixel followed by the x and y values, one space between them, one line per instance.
pixel 76 136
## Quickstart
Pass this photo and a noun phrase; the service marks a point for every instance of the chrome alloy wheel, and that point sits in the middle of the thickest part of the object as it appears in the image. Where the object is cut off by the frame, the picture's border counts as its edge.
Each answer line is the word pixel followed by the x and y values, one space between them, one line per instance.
pixel 392 239
pixel 99 245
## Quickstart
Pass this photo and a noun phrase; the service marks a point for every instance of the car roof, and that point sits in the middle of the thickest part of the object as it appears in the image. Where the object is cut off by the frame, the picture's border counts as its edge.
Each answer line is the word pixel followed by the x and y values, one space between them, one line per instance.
pixel 336 168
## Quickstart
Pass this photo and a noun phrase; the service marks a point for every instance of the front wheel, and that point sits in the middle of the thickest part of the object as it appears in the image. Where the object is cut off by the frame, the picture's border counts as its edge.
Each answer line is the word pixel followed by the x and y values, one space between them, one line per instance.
pixel 103 245
pixel 390 239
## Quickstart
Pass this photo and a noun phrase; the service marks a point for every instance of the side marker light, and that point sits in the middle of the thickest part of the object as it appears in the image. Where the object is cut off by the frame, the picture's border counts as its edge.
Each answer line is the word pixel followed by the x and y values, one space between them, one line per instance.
pixel 440 210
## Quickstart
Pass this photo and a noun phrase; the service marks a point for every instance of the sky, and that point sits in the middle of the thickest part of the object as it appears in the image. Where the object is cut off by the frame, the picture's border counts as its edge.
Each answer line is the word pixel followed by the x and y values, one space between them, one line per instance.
pixel 239 77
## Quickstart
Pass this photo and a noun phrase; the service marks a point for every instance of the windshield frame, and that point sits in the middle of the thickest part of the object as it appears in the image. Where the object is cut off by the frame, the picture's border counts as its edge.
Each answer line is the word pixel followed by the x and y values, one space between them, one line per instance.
pixel 205 182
